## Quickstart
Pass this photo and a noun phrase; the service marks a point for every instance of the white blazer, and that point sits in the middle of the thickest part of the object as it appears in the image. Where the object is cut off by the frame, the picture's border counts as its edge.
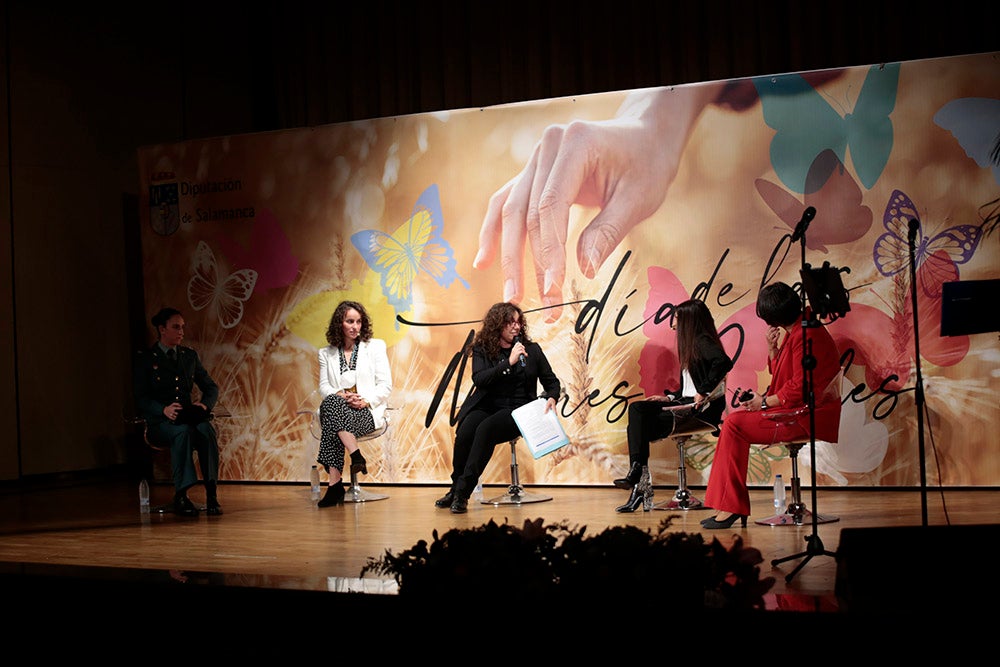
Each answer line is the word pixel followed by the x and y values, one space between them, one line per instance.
pixel 372 371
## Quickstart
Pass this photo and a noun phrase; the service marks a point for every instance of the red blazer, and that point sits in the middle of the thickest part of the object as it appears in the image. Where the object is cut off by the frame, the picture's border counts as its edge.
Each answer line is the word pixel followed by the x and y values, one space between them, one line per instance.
pixel 788 378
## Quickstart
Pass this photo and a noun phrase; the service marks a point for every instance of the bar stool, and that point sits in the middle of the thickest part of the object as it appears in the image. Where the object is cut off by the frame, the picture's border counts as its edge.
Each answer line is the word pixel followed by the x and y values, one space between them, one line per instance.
pixel 516 495
pixel 797 513
pixel 354 493
pixel 683 499
pixel 686 426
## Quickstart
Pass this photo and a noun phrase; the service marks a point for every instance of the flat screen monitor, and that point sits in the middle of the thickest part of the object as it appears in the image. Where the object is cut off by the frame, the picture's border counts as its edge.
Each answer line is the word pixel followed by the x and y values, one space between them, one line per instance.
pixel 970 307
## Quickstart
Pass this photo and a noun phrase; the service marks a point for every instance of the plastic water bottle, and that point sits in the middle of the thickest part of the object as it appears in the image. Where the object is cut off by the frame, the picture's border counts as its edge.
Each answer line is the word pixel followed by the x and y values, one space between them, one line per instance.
pixel 144 497
pixel 780 501
pixel 314 482
pixel 646 486
pixel 477 493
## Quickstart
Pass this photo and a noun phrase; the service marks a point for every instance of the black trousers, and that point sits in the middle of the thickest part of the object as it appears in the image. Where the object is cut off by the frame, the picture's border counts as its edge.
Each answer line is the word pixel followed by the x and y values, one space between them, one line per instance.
pixel 476 438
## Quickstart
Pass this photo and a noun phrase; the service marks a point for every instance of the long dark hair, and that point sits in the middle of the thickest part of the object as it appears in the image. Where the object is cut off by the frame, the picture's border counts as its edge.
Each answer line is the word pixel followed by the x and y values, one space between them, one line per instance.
pixel 495 319
pixel 335 330
pixel 693 320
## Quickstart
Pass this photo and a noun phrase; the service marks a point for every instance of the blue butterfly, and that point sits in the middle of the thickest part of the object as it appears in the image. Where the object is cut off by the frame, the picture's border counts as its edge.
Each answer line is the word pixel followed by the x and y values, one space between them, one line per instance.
pixel 975 123
pixel 417 245
pixel 942 252
pixel 806 125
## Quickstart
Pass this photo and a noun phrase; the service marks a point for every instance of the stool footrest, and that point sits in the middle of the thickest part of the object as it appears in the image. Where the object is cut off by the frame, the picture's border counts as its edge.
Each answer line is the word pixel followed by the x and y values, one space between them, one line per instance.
pixel 516 495
pixel 355 494
pixel 788 519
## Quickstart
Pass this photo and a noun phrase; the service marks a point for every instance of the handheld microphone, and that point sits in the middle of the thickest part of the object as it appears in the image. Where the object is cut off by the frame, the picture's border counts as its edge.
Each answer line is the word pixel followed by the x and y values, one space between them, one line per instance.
pixel 800 229
pixel 914 226
pixel 517 339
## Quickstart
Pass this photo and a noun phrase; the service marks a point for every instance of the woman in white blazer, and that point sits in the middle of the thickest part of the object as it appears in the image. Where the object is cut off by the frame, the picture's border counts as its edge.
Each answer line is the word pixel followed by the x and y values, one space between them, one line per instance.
pixel 355 382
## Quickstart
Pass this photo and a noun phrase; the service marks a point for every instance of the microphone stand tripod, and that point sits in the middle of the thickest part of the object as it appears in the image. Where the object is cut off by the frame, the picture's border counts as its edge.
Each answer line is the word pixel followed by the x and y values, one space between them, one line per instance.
pixel 914 225
pixel 814 545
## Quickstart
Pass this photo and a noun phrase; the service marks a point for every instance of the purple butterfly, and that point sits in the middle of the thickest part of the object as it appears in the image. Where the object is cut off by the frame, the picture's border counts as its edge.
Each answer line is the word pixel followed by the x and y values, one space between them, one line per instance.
pixel 941 252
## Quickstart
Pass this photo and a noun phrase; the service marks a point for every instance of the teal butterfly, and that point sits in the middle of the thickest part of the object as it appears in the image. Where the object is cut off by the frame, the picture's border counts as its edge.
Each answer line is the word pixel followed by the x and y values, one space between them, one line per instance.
pixel 417 245
pixel 975 123
pixel 806 125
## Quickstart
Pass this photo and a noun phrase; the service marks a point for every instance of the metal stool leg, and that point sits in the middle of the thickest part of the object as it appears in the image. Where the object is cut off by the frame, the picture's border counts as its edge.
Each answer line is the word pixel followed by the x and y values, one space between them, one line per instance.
pixel 355 494
pixel 796 514
pixel 682 500
pixel 516 495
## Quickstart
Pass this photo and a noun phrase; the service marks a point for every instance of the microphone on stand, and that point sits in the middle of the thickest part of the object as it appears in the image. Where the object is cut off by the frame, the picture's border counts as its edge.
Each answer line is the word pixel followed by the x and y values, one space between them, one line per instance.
pixel 914 226
pixel 800 229
pixel 517 339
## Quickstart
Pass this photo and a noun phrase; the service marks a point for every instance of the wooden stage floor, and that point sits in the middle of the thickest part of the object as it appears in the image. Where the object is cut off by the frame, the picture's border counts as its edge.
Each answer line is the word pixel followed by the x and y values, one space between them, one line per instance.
pixel 272 536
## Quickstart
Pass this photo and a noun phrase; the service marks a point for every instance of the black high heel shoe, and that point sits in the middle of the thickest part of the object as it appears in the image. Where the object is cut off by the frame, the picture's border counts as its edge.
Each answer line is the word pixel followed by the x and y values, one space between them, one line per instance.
pixel 334 495
pixel 358 463
pixel 633 502
pixel 712 524
pixel 631 479
pixel 642 493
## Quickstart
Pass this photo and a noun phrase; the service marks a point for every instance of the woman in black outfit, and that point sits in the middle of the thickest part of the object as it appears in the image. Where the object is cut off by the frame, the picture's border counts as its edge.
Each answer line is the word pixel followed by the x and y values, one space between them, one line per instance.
pixel 506 369
pixel 704 364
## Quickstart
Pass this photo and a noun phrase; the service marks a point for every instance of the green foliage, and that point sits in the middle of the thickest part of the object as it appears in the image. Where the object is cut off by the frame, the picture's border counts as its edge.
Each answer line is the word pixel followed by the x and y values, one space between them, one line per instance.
pixel 551 562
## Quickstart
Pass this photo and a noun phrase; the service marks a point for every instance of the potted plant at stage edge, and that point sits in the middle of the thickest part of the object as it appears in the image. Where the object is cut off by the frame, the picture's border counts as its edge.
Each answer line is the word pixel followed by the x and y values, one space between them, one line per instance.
pixel 556 564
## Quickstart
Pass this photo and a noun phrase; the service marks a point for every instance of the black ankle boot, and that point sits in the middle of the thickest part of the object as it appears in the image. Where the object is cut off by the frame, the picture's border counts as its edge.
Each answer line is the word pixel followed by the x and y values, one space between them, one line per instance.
pixel 334 495
pixel 631 479
pixel 358 463
pixel 633 502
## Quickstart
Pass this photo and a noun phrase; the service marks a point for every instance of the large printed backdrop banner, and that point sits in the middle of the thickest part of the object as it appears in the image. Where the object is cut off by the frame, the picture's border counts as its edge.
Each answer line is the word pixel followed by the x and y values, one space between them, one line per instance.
pixel 595 214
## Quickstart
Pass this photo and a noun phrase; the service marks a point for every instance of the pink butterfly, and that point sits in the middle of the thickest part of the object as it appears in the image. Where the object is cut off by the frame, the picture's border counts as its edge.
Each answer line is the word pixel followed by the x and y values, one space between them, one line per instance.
pixel 269 253
pixel 840 215
pixel 742 337
pixel 940 252
pixel 884 343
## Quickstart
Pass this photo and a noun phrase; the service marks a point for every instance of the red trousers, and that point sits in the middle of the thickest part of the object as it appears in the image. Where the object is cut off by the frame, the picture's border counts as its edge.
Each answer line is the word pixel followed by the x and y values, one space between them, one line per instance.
pixel 727 483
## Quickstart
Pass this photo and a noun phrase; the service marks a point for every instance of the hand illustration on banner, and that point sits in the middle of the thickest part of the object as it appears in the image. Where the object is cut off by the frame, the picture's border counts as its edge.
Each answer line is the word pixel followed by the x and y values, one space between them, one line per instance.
pixel 624 166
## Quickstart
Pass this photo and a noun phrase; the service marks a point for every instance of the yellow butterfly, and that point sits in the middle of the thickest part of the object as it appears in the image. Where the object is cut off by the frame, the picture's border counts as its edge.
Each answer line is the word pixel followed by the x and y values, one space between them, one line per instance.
pixel 416 246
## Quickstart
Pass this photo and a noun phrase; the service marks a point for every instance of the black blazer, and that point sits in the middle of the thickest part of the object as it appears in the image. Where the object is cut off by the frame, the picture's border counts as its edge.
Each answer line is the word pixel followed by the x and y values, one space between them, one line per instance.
pixel 708 368
pixel 488 373
pixel 157 381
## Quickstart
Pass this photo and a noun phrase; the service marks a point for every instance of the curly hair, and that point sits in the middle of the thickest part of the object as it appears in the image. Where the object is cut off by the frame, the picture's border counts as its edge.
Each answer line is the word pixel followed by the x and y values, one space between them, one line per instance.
pixel 496 318
pixel 335 331
pixel 693 320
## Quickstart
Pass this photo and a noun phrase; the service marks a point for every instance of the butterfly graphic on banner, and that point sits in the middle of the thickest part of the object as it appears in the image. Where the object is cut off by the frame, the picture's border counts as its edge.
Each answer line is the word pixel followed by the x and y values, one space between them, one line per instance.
pixel 223 295
pixel 806 125
pixel 416 246
pixel 884 342
pixel 840 215
pixel 937 255
pixel 269 252
pixel 659 369
pixel 975 123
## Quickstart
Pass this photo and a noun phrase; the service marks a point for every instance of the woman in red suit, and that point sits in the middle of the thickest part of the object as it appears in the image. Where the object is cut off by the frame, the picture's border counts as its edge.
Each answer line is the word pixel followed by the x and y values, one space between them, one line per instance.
pixel 781 309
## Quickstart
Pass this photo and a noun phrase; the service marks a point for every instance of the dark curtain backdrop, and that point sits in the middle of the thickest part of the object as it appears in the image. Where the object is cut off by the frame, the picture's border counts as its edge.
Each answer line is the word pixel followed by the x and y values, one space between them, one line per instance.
pixel 319 63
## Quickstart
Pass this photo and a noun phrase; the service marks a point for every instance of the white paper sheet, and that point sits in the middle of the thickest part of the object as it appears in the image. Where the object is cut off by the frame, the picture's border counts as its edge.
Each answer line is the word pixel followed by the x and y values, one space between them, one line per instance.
pixel 542 431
